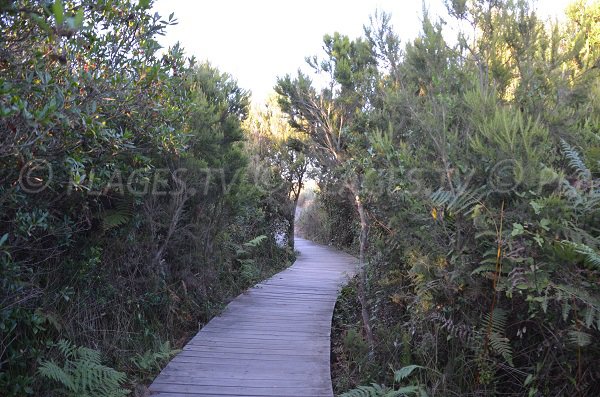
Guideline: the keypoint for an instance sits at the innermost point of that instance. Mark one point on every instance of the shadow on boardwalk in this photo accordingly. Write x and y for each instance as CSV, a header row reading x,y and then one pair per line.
x,y
273,340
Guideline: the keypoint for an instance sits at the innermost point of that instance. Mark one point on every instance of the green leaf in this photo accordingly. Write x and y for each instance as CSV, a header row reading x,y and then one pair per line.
x,y
114,218
537,207
544,224
41,22
405,372
78,20
144,4
59,11
410,390
255,242
518,230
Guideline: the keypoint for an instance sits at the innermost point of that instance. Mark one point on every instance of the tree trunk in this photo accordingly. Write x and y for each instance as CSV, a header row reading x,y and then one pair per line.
x,y
296,190
363,271
291,233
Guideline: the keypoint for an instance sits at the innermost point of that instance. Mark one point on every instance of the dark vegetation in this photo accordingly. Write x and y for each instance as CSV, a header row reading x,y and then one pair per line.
x,y
468,175
139,193
133,207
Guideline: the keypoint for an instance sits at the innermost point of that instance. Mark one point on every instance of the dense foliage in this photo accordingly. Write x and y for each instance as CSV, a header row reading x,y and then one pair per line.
x,y
139,193
472,169
279,155
129,213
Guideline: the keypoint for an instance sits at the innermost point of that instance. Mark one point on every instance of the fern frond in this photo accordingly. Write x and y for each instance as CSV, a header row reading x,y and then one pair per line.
x,y
83,374
66,348
119,215
376,390
441,197
89,355
255,242
495,325
566,294
152,359
498,320
579,338
50,370
588,314
486,268
464,201
501,345
590,257
410,391
405,372
113,218
575,160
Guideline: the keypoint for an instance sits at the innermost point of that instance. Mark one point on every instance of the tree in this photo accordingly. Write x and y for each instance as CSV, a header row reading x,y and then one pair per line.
x,y
486,241
283,152
125,189
334,120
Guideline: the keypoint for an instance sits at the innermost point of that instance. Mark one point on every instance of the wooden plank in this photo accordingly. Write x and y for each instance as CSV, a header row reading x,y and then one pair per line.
x,y
239,390
214,381
272,340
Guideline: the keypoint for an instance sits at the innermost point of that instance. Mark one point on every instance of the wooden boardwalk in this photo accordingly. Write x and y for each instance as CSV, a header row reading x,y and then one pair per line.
x,y
272,340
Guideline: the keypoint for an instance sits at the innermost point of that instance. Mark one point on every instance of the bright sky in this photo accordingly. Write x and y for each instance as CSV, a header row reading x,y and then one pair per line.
x,y
258,40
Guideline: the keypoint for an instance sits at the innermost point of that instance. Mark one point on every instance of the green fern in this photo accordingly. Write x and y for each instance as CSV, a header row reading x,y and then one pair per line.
x,y
567,295
66,348
463,202
579,338
590,257
486,268
376,390
50,370
495,326
501,345
255,242
112,219
441,197
575,160
153,359
411,391
405,372
119,215
589,314
82,373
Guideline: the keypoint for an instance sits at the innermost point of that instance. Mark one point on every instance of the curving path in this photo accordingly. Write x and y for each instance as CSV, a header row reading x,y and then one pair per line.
x,y
272,340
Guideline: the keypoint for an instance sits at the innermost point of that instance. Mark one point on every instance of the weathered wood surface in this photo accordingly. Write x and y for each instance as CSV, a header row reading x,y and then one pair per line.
x,y
272,340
